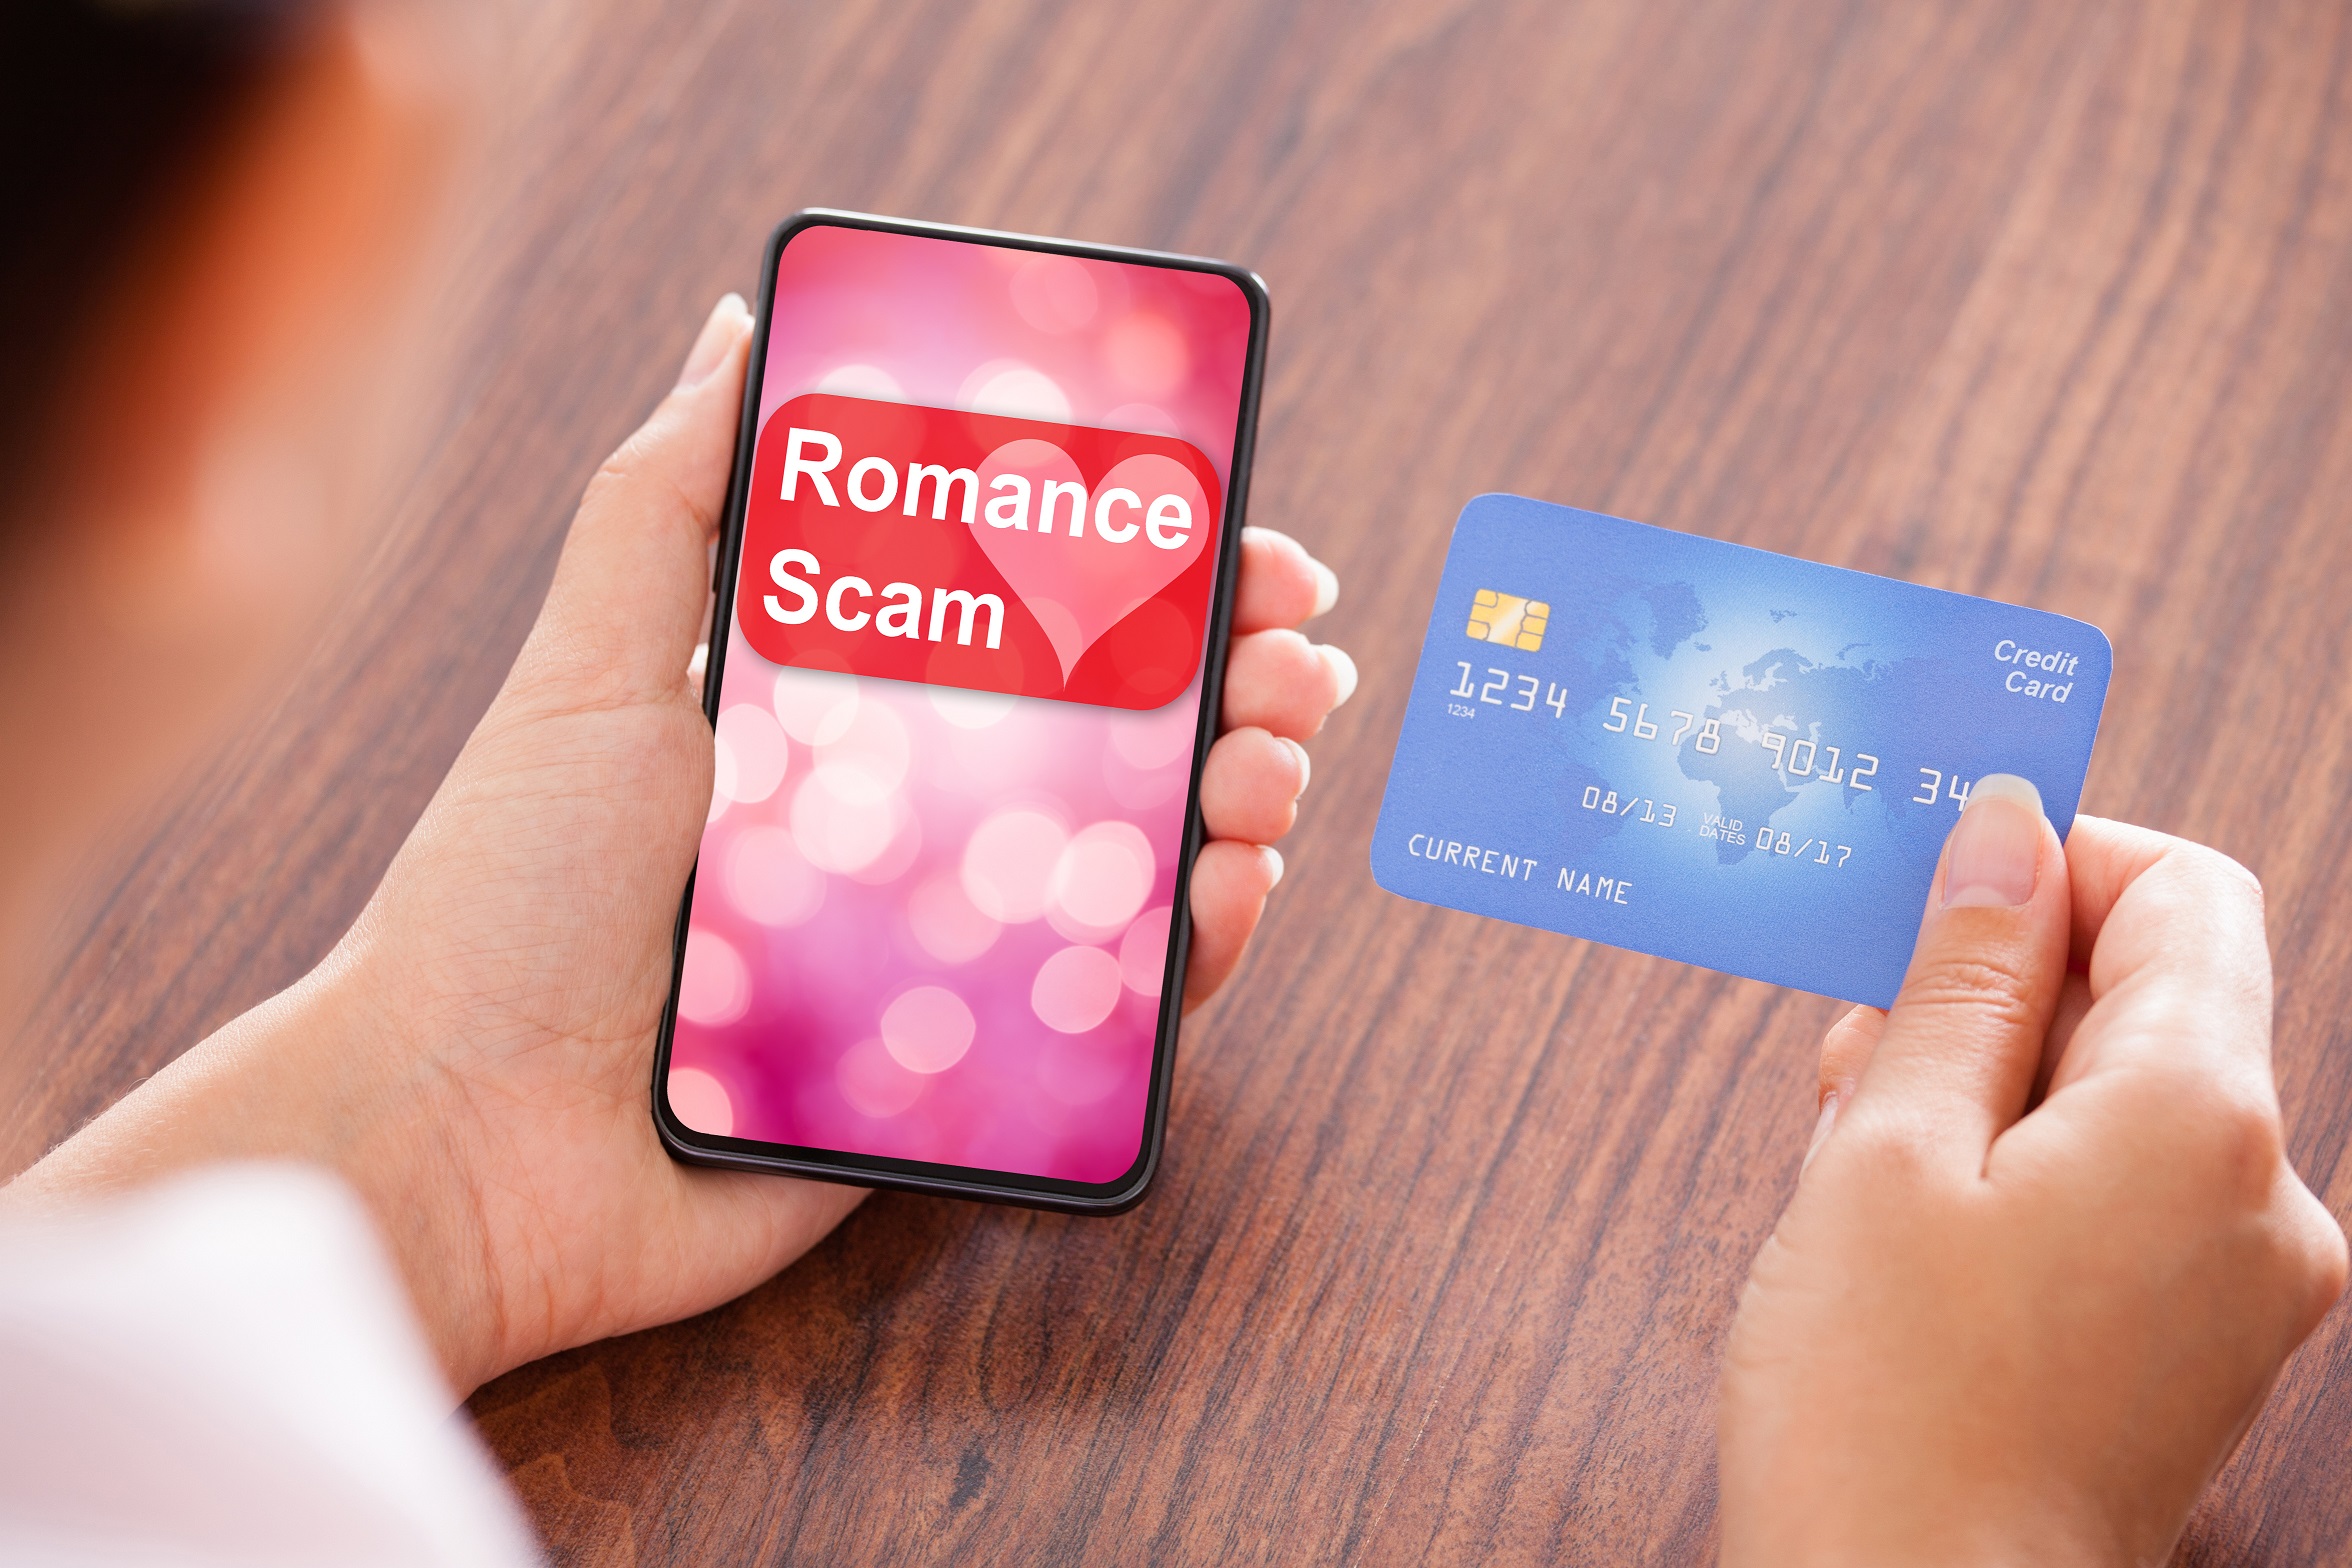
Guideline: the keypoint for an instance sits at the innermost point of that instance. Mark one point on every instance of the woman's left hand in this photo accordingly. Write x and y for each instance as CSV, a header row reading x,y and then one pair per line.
x,y
474,1057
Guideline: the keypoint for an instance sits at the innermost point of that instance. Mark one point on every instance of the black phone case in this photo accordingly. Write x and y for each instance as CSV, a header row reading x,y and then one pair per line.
x,y
1125,1192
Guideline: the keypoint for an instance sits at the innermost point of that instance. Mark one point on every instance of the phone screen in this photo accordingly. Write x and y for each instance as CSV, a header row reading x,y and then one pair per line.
x,y
959,668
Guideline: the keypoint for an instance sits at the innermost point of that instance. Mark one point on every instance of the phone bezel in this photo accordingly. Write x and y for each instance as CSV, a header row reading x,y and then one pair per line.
x,y
1124,1192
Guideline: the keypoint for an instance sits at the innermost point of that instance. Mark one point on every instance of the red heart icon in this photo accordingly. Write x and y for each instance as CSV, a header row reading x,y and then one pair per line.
x,y
1082,561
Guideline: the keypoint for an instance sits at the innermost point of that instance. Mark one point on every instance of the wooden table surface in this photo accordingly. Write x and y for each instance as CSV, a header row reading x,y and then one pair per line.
x,y
2047,302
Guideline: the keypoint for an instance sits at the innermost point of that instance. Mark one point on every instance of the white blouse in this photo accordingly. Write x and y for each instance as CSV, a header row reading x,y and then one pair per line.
x,y
225,1369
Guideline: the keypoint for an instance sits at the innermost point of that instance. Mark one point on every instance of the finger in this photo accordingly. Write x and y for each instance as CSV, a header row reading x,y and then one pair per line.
x,y
1282,683
2074,1004
1250,786
1281,584
1230,882
2325,1259
2102,859
623,614
2179,960
1846,1050
1963,1041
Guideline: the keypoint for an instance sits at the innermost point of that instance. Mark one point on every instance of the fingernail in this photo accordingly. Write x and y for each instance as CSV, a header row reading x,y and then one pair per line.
x,y
1273,859
1326,587
1997,848
1343,670
1821,1126
1306,768
726,323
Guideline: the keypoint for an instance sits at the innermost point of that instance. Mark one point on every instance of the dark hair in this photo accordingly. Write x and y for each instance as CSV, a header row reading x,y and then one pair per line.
x,y
103,107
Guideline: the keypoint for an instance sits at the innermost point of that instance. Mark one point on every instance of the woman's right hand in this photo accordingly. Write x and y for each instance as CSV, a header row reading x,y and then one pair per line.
x,y
2046,1256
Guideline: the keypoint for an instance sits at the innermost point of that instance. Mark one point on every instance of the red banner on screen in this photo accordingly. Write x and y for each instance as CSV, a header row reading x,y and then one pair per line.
x,y
975,550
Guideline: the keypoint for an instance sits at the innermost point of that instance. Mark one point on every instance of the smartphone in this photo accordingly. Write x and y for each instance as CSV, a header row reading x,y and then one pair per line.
x,y
974,585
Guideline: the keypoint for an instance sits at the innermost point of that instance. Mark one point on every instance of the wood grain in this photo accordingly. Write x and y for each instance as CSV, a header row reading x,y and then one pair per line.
x,y
2047,302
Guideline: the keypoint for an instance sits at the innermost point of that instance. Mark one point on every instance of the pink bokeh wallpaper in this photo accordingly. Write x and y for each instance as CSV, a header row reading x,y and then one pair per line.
x,y
931,923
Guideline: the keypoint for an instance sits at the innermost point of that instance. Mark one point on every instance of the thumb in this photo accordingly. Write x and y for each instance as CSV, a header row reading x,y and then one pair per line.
x,y
627,602
1964,1039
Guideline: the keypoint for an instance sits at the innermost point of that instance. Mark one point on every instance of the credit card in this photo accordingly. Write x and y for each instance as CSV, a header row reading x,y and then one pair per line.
x,y
1713,753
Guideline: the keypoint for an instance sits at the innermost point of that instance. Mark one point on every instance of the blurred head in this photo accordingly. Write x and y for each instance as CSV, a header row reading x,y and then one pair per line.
x,y
215,207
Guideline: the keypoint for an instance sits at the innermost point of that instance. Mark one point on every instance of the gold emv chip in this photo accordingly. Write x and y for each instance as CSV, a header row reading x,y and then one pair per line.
x,y
1506,618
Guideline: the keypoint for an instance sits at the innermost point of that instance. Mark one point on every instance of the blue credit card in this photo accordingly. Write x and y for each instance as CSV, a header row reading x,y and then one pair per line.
x,y
1712,753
